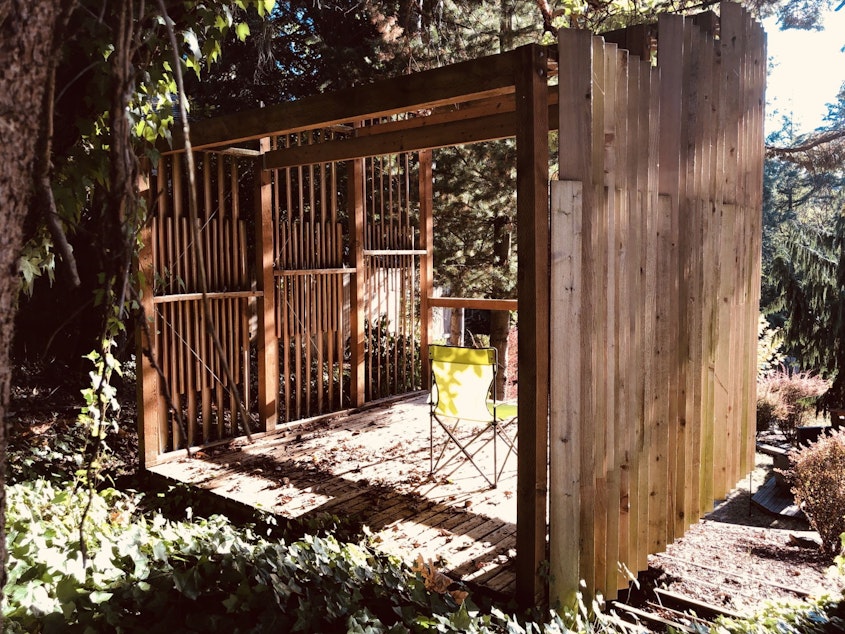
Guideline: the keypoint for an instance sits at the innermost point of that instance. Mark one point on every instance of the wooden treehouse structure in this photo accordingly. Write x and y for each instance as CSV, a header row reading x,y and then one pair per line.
x,y
638,275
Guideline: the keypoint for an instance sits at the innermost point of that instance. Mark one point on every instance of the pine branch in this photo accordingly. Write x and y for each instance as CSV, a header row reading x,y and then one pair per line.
x,y
819,152
823,138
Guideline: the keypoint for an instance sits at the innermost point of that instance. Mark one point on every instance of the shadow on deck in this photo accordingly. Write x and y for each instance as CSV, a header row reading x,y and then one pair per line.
x,y
372,468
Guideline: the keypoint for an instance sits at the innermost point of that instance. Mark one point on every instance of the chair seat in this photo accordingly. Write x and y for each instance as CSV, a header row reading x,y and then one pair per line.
x,y
504,410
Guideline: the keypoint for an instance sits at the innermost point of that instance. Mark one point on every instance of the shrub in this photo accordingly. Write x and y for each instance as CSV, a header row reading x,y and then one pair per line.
x,y
144,573
769,410
784,397
818,477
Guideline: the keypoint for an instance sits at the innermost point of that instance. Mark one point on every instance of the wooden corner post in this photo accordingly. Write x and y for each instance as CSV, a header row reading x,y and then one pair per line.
x,y
532,183
427,260
357,288
149,400
268,343
572,494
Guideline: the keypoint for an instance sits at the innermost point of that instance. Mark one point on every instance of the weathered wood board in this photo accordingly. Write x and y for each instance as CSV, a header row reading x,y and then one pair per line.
x,y
372,467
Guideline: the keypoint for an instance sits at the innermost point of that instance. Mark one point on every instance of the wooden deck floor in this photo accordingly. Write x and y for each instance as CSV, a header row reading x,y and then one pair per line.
x,y
373,467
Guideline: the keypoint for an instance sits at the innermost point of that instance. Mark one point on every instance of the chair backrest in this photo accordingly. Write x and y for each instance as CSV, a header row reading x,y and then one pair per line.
x,y
461,380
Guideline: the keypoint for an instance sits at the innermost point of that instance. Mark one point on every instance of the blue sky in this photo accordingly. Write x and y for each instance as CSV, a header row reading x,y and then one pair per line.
x,y
809,68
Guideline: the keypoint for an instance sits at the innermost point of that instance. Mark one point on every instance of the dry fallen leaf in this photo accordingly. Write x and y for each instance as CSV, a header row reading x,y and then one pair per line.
x,y
435,580
459,596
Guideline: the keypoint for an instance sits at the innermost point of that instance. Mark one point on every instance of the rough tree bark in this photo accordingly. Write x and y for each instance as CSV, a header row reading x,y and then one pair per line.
x,y
500,320
30,36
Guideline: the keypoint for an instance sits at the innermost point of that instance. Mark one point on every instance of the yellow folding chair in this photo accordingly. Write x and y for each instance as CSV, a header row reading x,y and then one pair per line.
x,y
463,390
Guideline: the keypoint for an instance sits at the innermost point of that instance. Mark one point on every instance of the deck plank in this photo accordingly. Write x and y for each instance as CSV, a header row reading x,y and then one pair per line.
x,y
777,499
372,467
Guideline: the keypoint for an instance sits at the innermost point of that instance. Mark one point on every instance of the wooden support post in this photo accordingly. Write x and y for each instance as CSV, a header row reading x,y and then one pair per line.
x,y
567,294
268,344
532,141
427,260
356,256
572,511
148,386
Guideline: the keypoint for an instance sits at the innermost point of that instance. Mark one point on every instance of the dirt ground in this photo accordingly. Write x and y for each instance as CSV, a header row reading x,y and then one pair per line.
x,y
740,556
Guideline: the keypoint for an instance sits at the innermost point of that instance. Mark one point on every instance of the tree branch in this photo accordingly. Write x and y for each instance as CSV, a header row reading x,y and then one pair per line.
x,y
829,136
44,189
195,226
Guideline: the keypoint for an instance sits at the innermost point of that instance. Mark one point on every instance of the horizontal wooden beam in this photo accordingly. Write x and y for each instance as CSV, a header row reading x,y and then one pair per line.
x,y
299,272
460,112
421,138
465,81
472,302
192,297
378,252
425,136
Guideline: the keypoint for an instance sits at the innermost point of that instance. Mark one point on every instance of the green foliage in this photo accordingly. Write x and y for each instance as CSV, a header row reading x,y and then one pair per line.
x,y
805,273
475,220
83,118
818,477
101,396
144,573
37,259
804,244
55,455
769,344
812,616
393,359
784,397
302,48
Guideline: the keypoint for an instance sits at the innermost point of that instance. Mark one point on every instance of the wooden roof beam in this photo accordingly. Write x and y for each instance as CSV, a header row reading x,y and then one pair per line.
x,y
474,79
422,133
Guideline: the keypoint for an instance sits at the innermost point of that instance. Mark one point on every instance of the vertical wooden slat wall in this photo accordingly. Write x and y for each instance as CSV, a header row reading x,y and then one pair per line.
x,y
654,289
180,339
391,262
315,319
312,321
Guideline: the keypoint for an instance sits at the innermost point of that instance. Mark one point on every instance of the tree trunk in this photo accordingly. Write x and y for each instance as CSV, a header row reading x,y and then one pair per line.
x,y
500,319
456,327
30,33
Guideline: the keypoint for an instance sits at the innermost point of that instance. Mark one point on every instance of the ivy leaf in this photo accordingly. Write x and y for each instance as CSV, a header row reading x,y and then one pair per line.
x,y
159,551
186,583
461,620
193,43
242,31
265,7
26,268
98,596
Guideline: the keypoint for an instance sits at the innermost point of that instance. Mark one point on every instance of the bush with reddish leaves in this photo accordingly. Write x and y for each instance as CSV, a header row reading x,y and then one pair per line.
x,y
784,398
818,482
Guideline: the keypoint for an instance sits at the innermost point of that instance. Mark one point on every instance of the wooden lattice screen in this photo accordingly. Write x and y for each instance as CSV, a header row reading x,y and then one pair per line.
x,y
655,288
312,307
311,211
392,276
181,339
308,240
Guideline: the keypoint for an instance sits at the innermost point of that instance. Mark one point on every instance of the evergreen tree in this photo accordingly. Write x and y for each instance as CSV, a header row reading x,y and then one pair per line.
x,y
807,190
